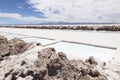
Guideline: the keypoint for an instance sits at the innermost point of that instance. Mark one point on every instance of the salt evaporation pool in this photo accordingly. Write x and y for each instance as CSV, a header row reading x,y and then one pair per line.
x,y
77,51
73,51
11,36
27,38
37,40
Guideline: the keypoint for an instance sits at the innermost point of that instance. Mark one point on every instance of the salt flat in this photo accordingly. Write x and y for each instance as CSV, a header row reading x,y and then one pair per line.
x,y
62,42
108,39
95,38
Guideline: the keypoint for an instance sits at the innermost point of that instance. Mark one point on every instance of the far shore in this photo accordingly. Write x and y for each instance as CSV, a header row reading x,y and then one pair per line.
x,y
112,27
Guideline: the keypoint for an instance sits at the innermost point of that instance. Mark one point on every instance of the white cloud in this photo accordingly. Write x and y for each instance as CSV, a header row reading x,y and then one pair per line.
x,y
10,15
78,10
20,7
71,11
19,17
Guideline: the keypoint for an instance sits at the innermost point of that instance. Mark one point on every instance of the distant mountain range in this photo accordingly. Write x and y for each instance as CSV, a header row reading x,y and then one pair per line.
x,y
68,23
62,23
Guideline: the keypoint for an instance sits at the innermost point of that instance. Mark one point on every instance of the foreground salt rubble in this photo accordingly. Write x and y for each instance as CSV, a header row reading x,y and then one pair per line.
x,y
37,63
11,47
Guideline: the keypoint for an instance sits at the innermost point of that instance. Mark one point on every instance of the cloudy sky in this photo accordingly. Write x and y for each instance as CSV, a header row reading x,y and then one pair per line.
x,y
40,11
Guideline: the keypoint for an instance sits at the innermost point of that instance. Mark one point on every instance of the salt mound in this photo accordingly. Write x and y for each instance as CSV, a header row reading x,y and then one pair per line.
x,y
3,40
50,65
12,47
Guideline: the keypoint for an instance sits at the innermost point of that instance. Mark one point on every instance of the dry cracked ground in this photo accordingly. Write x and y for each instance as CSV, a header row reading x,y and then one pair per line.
x,y
28,61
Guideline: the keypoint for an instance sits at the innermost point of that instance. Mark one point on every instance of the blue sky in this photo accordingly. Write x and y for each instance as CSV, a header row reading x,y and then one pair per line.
x,y
40,11
18,6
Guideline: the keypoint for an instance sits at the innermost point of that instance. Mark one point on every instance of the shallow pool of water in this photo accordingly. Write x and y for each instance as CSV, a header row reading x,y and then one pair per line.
x,y
77,51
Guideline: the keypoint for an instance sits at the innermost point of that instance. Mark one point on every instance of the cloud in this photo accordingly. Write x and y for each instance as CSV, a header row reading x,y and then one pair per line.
x,y
20,17
20,7
10,15
78,10
103,11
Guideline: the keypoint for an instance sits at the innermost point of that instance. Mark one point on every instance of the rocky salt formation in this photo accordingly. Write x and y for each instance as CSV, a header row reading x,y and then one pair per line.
x,y
58,67
50,65
11,47
3,40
